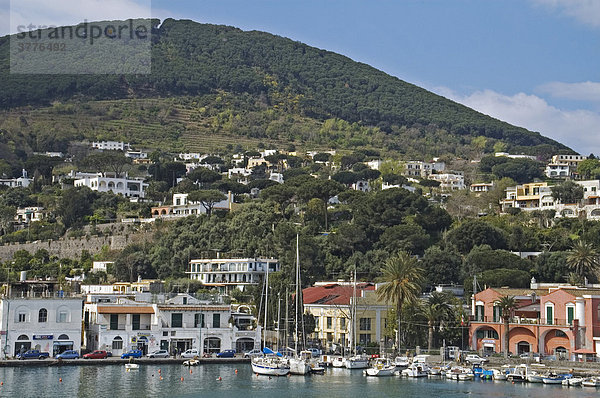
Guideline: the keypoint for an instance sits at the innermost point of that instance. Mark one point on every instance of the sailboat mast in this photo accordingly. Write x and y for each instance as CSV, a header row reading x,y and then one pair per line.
x,y
354,312
266,305
297,293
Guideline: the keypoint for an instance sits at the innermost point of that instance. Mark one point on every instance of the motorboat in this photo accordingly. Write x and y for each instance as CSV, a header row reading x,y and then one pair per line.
x,y
435,371
467,374
270,366
381,367
191,362
554,378
573,381
416,369
316,368
132,366
518,373
483,374
460,373
499,375
590,382
301,364
338,362
534,377
402,362
358,362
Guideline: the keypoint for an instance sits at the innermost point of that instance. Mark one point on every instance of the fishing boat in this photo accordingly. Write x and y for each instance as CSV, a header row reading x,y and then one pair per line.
x,y
519,373
459,373
416,369
534,377
435,371
316,368
381,367
590,382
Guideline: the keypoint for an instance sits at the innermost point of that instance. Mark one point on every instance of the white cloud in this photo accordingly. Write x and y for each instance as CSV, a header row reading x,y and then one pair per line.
x,y
586,11
578,129
70,12
584,91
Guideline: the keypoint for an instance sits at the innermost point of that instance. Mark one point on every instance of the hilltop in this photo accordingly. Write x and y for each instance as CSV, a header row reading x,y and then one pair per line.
x,y
225,83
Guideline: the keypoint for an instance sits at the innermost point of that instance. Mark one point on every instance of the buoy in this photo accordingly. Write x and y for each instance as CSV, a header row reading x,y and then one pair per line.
x,y
257,375
160,377
236,371
1,383
219,378
60,380
190,371
181,378
159,370
269,377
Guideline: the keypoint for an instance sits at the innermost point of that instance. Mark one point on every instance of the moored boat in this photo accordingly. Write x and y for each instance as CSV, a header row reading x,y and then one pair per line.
x,y
191,362
132,366
499,375
338,362
590,382
357,362
402,362
381,367
554,378
269,366
416,370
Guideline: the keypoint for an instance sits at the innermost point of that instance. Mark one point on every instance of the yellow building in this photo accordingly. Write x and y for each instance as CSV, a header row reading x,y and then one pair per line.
x,y
534,195
331,304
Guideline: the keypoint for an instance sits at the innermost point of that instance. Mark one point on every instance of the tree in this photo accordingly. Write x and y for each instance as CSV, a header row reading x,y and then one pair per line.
x,y
207,198
567,192
441,266
507,305
520,170
202,176
436,310
108,161
7,216
583,259
402,279
74,205
589,168
476,232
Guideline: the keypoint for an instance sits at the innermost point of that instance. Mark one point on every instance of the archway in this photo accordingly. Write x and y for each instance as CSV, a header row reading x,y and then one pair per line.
x,y
521,340
486,338
552,339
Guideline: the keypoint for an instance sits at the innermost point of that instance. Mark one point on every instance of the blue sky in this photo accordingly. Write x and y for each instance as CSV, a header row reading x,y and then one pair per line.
x,y
533,63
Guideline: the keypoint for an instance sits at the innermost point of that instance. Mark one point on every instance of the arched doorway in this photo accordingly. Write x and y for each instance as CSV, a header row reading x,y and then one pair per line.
x,y
521,340
62,344
523,347
554,339
142,344
486,338
561,353
22,344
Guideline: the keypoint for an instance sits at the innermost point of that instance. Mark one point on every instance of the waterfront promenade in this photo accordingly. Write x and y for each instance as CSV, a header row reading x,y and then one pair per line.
x,y
116,361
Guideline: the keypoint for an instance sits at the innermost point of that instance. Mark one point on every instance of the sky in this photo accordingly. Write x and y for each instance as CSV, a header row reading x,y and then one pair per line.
x,y
532,63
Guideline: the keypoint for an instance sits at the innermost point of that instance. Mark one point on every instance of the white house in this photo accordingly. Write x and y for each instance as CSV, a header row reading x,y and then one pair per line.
x,y
22,181
98,266
230,273
449,181
27,215
111,145
563,166
125,186
48,324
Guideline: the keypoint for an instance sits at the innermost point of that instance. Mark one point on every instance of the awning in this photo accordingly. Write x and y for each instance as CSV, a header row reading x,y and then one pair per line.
x,y
120,309
489,345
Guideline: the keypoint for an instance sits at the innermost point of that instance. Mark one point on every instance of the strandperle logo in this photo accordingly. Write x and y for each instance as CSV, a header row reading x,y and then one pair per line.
x,y
106,47
87,31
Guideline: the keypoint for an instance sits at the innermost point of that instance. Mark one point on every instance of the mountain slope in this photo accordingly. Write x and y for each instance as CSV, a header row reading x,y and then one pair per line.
x,y
193,59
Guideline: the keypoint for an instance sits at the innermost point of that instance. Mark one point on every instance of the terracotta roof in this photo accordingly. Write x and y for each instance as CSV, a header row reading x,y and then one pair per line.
x,y
507,291
333,294
122,309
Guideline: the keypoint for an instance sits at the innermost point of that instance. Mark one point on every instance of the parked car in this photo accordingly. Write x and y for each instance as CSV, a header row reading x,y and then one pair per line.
x,y
132,354
475,359
97,354
226,354
33,354
253,353
191,353
69,354
527,355
159,354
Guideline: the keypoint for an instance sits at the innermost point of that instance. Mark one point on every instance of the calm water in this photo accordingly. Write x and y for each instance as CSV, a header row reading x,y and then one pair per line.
x,y
114,381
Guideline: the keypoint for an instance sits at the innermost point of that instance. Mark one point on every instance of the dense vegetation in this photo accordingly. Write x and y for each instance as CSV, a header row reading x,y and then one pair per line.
x,y
249,84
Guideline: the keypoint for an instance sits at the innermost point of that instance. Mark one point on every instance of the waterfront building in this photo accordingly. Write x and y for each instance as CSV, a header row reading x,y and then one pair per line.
x,y
331,304
50,322
550,319
230,273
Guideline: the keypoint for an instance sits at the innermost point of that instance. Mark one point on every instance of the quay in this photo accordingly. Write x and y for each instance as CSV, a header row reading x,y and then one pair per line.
x,y
116,361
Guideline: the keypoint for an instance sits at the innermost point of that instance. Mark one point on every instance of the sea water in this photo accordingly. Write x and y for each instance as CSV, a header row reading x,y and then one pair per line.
x,y
222,380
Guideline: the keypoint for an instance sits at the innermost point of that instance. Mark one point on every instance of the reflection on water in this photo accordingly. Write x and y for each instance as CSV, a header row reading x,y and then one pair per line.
x,y
166,381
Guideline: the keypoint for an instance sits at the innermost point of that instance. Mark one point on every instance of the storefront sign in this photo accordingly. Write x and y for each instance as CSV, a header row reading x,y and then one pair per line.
x,y
43,337
488,341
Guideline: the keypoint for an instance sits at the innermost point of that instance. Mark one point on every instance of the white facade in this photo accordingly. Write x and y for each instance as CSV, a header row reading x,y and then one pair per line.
x,y
481,187
101,265
508,155
136,154
563,166
22,181
417,168
182,207
449,181
177,324
111,145
121,186
51,325
29,214
229,273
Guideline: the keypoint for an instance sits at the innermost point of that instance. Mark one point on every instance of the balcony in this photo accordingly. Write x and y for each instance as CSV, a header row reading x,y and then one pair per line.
x,y
524,321
120,326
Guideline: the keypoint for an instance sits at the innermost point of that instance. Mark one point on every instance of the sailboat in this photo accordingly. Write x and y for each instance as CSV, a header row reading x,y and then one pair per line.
x,y
300,362
355,361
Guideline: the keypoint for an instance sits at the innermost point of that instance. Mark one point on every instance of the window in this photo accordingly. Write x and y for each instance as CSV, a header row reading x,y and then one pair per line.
x,y
560,333
364,338
135,321
549,315
329,336
216,320
43,315
21,317
62,316
342,323
199,320
176,320
185,300
479,311
114,321
117,343
329,322
570,314
497,314
365,323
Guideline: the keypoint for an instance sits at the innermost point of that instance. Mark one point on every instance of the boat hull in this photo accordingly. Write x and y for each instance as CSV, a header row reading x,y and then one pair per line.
x,y
270,370
381,372
357,363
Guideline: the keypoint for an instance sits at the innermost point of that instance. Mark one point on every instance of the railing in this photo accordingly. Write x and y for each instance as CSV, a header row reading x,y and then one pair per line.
x,y
120,326
524,321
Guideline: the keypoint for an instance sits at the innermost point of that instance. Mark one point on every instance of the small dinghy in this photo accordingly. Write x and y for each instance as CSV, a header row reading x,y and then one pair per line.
x,y
132,366
191,362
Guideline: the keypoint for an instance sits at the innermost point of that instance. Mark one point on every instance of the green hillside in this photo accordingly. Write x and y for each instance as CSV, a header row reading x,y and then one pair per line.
x,y
211,84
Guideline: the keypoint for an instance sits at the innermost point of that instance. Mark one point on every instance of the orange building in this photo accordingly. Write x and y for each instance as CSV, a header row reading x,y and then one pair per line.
x,y
549,319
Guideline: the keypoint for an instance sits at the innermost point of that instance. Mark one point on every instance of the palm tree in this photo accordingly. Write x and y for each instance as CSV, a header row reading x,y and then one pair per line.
x,y
436,310
507,305
583,259
402,279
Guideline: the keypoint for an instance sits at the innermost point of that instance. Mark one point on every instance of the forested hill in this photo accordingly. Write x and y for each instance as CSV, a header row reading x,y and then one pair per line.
x,y
193,59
